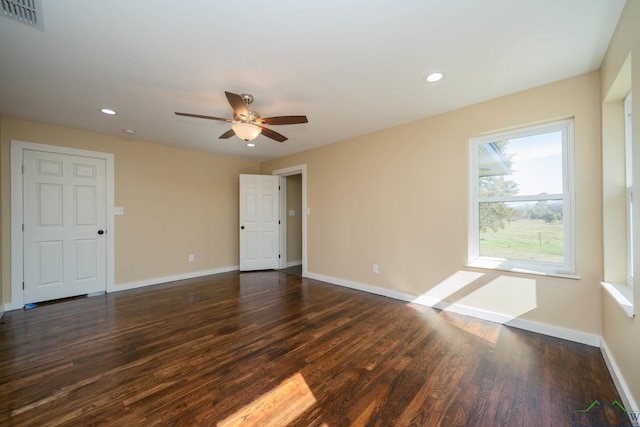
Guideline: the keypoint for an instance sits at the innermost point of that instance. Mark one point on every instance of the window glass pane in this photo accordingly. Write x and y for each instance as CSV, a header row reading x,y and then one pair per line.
x,y
532,231
530,165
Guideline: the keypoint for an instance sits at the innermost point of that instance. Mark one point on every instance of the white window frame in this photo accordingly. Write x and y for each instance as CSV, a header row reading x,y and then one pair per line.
x,y
628,161
567,268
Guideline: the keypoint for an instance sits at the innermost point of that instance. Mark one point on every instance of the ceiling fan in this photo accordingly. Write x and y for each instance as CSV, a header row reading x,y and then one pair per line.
x,y
247,124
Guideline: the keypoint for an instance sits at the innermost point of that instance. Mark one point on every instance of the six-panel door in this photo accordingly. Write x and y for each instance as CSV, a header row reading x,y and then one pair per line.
x,y
259,232
64,225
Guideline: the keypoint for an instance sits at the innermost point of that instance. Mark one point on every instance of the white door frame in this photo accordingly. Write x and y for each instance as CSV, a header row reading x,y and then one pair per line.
x,y
17,214
283,173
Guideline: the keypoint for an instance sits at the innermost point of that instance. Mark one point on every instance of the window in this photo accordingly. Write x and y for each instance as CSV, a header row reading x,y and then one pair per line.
x,y
521,188
618,227
629,184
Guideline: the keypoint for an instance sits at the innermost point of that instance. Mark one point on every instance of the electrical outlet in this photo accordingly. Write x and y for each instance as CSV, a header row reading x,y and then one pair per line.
x,y
375,268
191,258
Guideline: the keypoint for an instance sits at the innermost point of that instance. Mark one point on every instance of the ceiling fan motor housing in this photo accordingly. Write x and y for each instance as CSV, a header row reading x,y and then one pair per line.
x,y
252,117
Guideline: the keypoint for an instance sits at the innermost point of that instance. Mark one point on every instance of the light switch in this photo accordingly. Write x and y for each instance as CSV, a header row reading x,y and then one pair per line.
x,y
118,211
292,212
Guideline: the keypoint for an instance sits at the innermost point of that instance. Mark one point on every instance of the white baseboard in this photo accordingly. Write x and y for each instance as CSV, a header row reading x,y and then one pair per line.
x,y
623,390
362,287
294,263
465,310
527,325
149,282
557,332
166,279
541,328
10,307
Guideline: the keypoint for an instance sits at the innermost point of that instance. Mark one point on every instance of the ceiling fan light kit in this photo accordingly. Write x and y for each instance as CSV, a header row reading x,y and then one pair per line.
x,y
247,124
246,131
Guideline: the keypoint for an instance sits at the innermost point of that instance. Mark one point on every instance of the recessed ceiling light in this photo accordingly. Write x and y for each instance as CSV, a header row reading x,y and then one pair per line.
x,y
108,111
433,77
251,144
129,131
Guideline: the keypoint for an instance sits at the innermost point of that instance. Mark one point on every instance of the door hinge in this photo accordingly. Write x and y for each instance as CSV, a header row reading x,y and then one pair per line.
x,y
279,222
22,168
23,227
22,285
278,256
279,188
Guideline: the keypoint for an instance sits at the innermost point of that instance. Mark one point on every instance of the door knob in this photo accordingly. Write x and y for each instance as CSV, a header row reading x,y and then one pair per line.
x,y
101,232
242,228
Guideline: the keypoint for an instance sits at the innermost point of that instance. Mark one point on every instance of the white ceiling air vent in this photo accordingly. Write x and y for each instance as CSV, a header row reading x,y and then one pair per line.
x,y
28,12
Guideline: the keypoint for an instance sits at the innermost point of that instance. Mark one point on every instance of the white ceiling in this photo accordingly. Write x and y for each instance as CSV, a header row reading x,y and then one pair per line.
x,y
351,66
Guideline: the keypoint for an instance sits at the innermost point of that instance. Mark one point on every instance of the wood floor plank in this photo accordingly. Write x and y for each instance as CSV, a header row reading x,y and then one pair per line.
x,y
269,348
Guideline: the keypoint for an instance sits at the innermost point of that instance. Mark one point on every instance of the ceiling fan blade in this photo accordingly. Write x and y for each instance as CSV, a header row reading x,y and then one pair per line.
x,y
272,134
238,105
284,120
227,134
199,116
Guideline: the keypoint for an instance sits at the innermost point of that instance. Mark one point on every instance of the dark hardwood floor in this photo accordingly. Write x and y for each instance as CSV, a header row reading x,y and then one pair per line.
x,y
270,348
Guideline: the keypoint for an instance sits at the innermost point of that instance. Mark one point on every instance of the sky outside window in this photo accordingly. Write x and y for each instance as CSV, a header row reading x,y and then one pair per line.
x,y
536,163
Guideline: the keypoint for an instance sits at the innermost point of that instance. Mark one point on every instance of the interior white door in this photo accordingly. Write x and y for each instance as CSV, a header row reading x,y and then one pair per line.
x,y
259,232
64,225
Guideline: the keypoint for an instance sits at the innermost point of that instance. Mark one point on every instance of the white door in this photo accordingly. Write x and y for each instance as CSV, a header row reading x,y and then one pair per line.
x,y
64,225
259,232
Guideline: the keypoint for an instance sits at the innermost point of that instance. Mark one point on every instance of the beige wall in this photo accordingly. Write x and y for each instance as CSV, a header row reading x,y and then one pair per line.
x,y
294,223
398,198
4,266
177,202
621,333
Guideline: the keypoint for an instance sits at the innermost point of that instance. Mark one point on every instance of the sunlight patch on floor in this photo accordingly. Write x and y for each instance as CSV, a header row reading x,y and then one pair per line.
x,y
276,408
489,334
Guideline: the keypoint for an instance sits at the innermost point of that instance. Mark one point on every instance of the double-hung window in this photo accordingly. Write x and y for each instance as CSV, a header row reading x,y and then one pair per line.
x,y
521,200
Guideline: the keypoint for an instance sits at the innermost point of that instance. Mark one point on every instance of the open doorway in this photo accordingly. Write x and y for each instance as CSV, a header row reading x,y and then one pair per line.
x,y
293,215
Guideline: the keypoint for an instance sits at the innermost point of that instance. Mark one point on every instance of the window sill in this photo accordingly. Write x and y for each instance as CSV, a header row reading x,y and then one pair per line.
x,y
502,266
622,295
